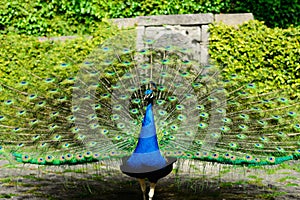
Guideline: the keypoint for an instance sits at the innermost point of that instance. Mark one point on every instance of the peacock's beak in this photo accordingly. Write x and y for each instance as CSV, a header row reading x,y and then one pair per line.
x,y
145,97
148,96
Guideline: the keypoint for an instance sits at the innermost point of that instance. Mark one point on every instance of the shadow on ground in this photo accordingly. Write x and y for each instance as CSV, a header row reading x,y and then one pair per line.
x,y
52,186
31,183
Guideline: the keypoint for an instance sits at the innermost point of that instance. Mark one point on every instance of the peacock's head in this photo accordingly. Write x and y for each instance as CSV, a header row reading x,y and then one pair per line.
x,y
149,96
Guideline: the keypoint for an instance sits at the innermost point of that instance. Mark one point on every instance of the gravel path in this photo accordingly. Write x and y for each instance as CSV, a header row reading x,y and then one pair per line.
x,y
217,182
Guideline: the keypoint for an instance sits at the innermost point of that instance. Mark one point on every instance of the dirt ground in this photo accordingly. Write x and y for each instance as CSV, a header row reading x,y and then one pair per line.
x,y
98,182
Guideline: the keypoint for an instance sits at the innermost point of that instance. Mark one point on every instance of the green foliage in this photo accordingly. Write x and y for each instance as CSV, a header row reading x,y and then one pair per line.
x,y
10,195
65,17
68,17
50,17
269,57
26,58
275,13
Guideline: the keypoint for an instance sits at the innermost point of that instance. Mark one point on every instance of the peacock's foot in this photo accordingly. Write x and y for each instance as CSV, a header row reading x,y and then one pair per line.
x,y
143,187
151,192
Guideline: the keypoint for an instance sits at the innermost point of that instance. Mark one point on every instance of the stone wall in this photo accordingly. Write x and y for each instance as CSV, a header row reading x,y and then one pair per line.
x,y
188,31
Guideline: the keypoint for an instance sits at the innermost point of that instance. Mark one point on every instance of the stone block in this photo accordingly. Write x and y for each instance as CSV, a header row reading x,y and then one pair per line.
x,y
180,36
234,19
204,59
140,34
204,33
189,19
189,33
124,22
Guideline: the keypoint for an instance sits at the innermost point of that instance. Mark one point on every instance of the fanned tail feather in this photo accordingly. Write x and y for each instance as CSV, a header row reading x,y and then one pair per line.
x,y
94,113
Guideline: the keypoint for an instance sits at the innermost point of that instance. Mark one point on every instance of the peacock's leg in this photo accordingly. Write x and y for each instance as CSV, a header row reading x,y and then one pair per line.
x,y
151,192
143,186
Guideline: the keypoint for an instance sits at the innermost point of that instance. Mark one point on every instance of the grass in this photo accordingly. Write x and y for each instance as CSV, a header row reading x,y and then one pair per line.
x,y
5,180
286,165
8,182
255,180
78,170
287,178
230,184
32,177
271,195
7,196
225,171
292,185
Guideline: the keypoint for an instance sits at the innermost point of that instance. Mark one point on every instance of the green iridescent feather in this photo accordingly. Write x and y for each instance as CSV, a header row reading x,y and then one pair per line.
x,y
95,113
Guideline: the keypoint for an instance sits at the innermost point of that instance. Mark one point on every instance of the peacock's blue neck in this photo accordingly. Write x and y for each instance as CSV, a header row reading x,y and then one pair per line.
x,y
146,154
147,138
148,115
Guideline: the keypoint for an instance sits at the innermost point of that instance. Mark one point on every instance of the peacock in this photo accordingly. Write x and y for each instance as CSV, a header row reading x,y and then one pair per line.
x,y
146,105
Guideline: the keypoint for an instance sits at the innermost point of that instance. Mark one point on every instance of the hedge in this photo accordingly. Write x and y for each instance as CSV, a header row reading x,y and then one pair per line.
x,y
69,17
26,58
259,54
275,13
